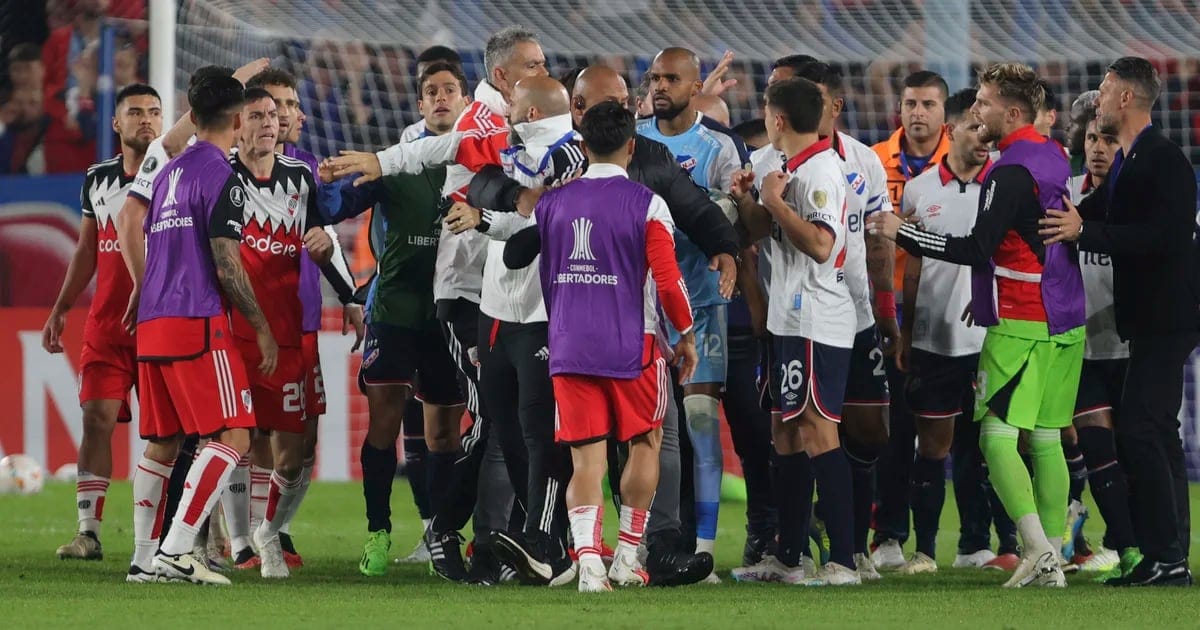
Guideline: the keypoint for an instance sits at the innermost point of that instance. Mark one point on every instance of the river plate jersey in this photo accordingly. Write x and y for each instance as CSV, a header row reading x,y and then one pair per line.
x,y
103,193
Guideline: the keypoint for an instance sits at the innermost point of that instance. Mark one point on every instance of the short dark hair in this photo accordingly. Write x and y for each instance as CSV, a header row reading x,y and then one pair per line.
x,y
960,103
443,66
800,102
272,76
1142,74
1083,111
24,52
1016,82
750,128
822,73
440,53
208,72
606,127
136,89
1049,100
214,100
257,93
927,78
793,61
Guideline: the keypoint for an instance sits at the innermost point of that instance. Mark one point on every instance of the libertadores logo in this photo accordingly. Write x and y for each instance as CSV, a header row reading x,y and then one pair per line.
x,y
582,250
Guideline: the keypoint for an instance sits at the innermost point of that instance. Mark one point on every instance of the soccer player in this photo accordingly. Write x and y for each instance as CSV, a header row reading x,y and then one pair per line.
x,y
108,367
1047,116
941,351
282,87
428,57
919,144
479,135
607,251
711,153
405,354
282,224
811,315
190,373
869,261
1102,378
1031,355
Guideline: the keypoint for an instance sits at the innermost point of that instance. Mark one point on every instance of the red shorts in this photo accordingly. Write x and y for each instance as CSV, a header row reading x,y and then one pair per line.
x,y
314,385
278,398
592,408
108,372
204,393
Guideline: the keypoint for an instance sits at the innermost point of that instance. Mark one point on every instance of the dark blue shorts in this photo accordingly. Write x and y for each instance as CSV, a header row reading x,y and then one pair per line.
x,y
393,355
804,372
867,384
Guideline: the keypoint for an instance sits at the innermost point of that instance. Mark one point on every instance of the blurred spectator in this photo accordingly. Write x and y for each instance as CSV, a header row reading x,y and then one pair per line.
x,y
70,59
22,125
25,69
126,66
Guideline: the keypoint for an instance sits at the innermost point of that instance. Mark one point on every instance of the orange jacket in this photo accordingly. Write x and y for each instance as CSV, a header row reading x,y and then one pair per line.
x,y
889,153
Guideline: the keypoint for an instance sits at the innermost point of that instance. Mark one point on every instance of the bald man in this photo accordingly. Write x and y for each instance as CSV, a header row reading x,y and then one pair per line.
x,y
671,560
712,106
514,372
711,153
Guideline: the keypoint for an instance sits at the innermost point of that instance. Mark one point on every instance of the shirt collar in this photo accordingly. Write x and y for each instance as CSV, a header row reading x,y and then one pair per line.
x,y
544,132
800,158
1087,185
946,174
1024,133
598,170
838,146
492,98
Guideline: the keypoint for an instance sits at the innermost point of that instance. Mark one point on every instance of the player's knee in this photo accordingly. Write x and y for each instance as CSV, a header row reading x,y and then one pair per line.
x,y
97,423
237,439
163,450
934,437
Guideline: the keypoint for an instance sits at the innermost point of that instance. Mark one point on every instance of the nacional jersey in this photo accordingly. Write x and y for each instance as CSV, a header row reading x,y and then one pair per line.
x,y
944,204
810,299
710,153
866,194
277,212
765,160
1103,342
103,193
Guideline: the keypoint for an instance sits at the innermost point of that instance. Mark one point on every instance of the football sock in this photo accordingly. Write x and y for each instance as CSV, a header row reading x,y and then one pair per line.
x,y
1077,469
260,485
183,465
235,503
1010,478
378,470
306,473
439,471
89,500
149,501
1051,481
862,471
633,526
1110,488
832,473
587,532
283,500
793,486
927,495
704,430
415,453
209,475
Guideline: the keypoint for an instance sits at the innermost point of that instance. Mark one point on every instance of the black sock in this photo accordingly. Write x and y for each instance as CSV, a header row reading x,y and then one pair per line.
x,y
793,486
1109,486
832,473
862,471
378,471
1077,469
927,494
183,465
439,469
416,469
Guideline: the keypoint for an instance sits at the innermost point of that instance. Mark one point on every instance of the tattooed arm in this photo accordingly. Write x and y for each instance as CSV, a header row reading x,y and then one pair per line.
x,y
236,285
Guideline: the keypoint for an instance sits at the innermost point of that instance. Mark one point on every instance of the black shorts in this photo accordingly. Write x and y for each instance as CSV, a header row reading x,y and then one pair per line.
x,y
938,386
867,384
1100,385
808,372
394,355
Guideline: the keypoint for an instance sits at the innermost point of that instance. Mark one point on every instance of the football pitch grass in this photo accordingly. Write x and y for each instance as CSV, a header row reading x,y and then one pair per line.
x,y
38,590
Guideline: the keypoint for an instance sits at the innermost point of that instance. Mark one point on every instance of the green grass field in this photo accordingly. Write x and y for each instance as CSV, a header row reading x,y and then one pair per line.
x,y
38,590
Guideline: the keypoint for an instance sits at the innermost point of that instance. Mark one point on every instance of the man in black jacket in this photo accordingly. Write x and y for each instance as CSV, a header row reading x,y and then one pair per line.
x,y
1148,232
670,560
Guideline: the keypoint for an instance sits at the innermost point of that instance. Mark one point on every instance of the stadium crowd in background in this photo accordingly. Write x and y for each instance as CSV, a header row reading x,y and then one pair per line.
x,y
861,309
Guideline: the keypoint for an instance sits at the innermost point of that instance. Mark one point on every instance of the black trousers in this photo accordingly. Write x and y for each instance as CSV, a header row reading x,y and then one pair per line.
x,y
1149,447
750,429
895,463
514,374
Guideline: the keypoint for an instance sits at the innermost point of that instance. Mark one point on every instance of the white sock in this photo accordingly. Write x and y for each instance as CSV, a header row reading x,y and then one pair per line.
x,y
149,500
208,476
305,481
1033,536
704,544
90,491
633,526
587,531
282,502
235,503
1056,543
260,485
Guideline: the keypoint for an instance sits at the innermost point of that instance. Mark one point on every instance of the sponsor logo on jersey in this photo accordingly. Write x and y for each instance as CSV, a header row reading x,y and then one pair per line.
x,y
268,244
933,211
108,245
987,199
582,249
687,162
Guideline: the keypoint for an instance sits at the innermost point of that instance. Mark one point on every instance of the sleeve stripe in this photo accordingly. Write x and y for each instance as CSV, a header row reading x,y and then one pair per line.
x,y
927,240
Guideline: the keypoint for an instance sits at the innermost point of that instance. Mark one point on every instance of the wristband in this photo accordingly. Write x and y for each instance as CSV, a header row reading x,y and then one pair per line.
x,y
885,303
